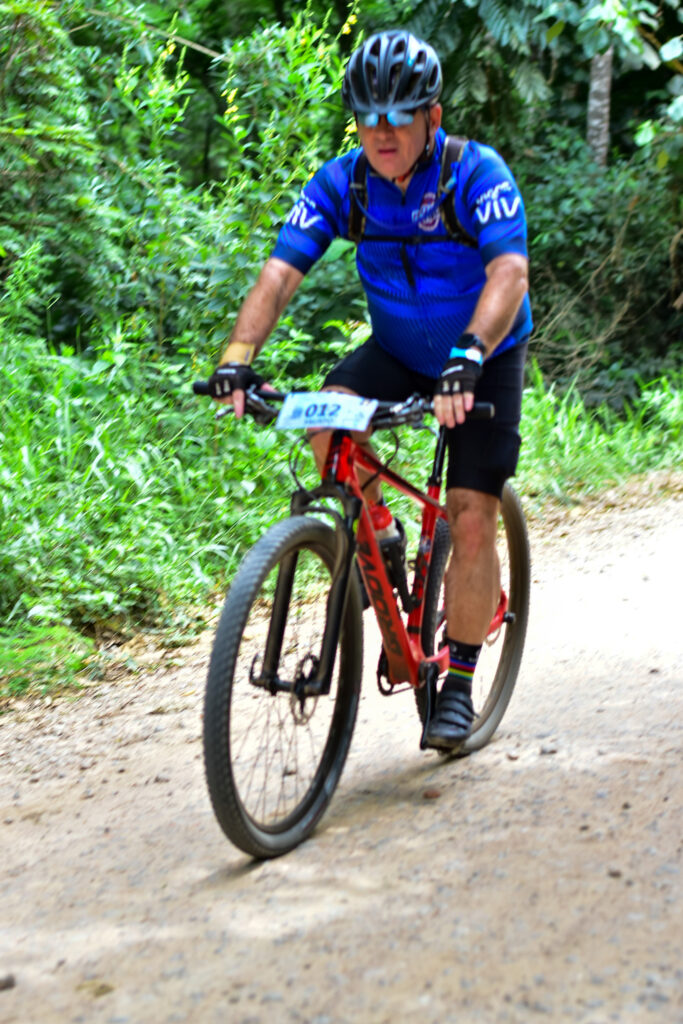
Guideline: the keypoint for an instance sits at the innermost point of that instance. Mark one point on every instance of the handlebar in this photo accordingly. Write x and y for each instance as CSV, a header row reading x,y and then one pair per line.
x,y
387,414
414,409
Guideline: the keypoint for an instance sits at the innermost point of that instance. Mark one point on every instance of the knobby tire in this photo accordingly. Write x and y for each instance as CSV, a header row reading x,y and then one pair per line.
x,y
273,761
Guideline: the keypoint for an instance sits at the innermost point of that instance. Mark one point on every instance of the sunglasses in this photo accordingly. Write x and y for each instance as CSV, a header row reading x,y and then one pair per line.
x,y
397,118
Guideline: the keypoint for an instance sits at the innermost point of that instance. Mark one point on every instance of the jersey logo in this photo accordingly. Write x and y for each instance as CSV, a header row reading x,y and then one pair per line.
x,y
302,216
427,218
492,202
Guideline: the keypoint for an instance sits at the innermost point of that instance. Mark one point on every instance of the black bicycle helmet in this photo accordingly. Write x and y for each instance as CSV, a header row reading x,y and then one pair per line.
x,y
392,71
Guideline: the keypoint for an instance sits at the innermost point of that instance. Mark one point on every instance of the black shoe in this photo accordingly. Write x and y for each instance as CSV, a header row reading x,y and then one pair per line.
x,y
452,721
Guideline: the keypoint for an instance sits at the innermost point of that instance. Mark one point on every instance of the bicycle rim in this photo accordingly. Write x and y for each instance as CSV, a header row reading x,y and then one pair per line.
x,y
273,760
501,654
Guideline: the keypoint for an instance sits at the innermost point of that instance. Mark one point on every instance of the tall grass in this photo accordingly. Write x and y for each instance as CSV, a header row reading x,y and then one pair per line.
x,y
123,502
571,450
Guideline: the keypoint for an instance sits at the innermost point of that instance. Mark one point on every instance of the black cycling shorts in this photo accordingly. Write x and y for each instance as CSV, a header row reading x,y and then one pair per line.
x,y
482,454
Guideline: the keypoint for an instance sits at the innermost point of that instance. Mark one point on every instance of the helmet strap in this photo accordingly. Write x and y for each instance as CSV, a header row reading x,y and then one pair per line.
x,y
427,151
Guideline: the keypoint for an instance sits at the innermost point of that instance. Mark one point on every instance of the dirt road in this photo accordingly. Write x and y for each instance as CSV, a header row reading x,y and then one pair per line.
x,y
539,879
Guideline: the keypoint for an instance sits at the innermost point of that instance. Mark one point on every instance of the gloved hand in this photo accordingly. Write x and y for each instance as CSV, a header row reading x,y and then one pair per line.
x,y
463,368
230,377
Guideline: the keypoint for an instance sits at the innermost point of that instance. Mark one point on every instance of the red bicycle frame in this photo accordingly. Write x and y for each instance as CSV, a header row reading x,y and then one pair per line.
x,y
402,642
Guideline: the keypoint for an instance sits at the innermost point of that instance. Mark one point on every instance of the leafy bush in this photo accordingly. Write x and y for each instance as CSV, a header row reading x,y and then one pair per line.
x,y
50,170
600,251
99,175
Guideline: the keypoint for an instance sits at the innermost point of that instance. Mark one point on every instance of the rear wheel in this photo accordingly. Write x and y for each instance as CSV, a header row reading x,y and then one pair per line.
x,y
273,758
501,654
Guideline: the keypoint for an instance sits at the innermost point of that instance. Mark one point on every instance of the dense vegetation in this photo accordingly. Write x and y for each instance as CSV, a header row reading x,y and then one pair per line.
x,y
147,159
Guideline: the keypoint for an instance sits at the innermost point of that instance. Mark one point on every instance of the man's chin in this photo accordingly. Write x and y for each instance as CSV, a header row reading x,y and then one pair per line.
x,y
387,166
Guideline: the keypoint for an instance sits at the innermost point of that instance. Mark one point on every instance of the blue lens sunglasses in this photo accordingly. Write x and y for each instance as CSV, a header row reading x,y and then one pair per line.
x,y
397,118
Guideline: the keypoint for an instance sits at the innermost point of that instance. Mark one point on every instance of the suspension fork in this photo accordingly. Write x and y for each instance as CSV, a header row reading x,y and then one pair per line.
x,y
336,600
278,621
319,680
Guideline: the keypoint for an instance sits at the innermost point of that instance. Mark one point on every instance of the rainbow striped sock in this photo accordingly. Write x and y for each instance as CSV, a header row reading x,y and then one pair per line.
x,y
462,663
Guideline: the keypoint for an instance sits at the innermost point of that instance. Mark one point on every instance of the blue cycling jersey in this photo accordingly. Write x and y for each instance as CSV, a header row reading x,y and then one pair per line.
x,y
423,286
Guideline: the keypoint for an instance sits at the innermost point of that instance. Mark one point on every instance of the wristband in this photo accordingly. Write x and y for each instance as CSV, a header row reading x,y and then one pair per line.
x,y
475,352
468,340
239,352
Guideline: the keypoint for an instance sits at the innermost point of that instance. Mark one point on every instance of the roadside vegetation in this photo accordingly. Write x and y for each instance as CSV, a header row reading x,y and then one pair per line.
x,y
140,198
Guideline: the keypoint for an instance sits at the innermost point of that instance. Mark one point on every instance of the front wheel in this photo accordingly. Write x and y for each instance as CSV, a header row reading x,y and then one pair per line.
x,y
501,654
273,757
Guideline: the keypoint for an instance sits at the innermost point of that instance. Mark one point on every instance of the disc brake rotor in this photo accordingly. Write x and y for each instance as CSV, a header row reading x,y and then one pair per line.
x,y
303,708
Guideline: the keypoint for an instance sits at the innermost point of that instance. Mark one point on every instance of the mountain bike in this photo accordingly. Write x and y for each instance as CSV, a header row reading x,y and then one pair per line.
x,y
285,671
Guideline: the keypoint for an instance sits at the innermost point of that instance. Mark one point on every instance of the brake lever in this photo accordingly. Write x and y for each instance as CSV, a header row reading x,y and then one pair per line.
x,y
254,403
259,408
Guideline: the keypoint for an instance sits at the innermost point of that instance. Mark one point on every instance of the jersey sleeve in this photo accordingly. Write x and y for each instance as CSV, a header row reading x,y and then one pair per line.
x,y
316,218
489,204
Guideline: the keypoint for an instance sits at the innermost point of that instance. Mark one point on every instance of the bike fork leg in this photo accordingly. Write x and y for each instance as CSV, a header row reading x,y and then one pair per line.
x,y
335,609
278,617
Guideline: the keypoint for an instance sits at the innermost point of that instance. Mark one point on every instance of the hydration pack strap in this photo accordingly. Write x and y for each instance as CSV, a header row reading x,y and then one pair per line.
x,y
452,153
359,199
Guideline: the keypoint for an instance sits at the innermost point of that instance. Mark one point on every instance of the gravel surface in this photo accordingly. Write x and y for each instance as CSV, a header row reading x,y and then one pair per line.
x,y
539,879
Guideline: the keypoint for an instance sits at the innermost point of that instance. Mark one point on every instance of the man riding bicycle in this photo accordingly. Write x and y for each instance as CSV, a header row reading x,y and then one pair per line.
x,y
441,253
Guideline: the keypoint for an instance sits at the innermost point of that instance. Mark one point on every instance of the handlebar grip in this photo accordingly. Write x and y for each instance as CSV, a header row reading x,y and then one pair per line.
x,y
201,387
482,411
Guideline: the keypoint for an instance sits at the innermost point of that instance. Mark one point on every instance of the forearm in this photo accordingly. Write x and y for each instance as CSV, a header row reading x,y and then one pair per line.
x,y
261,310
506,285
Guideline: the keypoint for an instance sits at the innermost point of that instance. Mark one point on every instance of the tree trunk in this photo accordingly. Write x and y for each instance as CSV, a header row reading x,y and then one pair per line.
x,y
597,128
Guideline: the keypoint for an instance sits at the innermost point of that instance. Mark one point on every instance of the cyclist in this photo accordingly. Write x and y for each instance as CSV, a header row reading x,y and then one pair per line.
x,y
450,318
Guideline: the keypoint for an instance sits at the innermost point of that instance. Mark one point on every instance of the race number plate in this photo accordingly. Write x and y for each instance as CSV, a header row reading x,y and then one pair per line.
x,y
325,410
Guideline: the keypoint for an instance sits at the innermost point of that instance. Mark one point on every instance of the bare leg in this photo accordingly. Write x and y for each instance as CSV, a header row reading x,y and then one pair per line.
x,y
473,574
472,594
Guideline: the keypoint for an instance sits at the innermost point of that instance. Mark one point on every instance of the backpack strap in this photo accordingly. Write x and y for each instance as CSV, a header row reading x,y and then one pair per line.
x,y
358,194
359,198
452,152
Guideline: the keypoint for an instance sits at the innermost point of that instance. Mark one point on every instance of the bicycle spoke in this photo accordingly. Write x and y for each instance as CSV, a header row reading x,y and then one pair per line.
x,y
282,748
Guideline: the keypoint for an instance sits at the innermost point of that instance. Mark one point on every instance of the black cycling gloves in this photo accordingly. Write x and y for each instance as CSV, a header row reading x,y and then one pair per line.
x,y
463,368
232,377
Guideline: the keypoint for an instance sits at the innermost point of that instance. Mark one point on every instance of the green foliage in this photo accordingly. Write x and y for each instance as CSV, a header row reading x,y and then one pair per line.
x,y
570,451
143,182
120,499
607,22
600,253
124,239
123,502
43,657
49,166
281,91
